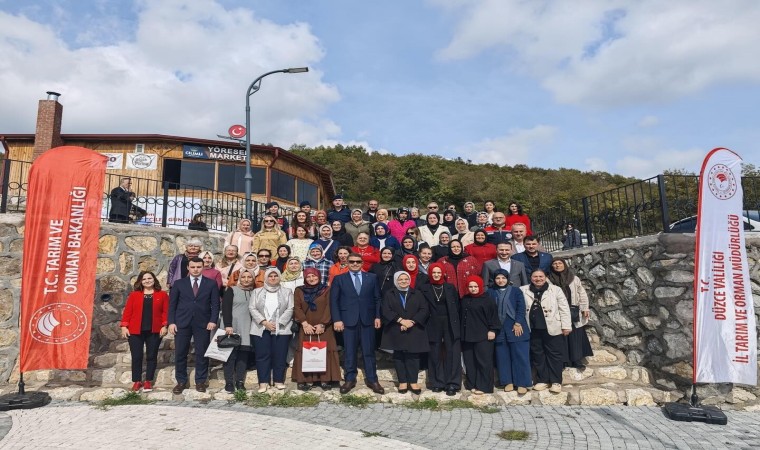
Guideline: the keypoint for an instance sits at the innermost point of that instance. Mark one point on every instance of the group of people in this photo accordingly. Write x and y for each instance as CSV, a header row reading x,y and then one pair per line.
x,y
456,294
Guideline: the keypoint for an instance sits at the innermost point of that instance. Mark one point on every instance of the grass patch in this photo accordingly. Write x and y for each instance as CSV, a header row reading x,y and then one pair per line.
x,y
240,395
435,405
286,400
373,434
360,401
489,409
259,400
428,403
513,435
130,398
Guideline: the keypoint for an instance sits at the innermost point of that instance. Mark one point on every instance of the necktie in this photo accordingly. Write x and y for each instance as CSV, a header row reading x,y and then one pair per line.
x,y
358,283
195,287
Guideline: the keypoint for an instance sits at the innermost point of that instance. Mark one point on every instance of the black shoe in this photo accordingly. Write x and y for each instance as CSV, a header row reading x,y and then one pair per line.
x,y
326,386
451,392
228,387
240,386
303,387
416,391
579,366
347,386
437,389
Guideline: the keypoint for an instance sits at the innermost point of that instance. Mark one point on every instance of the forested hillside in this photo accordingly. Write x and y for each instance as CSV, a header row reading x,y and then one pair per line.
x,y
414,179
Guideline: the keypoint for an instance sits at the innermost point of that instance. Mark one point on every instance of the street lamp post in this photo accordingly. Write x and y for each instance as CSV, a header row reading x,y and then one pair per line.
x,y
252,89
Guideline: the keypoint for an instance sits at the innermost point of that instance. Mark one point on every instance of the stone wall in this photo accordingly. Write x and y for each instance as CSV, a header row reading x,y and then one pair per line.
x,y
641,295
124,250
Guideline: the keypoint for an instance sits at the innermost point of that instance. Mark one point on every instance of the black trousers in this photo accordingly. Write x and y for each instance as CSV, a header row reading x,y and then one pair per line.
x,y
236,365
445,358
137,342
201,338
478,364
548,354
407,366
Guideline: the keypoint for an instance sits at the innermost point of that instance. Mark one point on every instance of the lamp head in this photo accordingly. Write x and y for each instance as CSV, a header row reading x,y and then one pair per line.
x,y
297,70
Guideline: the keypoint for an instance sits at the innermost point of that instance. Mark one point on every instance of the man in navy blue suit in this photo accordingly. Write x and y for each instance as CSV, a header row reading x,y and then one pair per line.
x,y
532,258
355,310
193,312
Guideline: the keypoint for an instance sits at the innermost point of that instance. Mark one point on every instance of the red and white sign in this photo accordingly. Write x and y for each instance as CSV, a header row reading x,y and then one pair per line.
x,y
237,131
725,337
60,258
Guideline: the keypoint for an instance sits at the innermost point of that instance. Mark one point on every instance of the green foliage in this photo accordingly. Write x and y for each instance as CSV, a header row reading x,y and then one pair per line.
x,y
359,401
513,435
414,179
130,398
258,400
435,405
286,400
373,434
240,395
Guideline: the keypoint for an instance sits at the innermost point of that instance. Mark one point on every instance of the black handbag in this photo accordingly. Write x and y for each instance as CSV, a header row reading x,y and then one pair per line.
x,y
228,341
295,327
575,313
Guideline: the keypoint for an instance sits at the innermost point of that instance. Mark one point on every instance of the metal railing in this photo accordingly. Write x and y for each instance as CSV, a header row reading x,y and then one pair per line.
x,y
155,203
645,207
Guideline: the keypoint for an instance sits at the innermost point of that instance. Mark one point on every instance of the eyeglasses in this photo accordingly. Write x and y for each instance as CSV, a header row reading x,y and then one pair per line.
x,y
265,256
354,261
432,207
269,221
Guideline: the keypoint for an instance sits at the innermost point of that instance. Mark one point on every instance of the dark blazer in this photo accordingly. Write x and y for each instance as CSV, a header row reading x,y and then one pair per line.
x,y
511,309
132,315
479,316
348,307
187,310
413,340
451,300
517,275
544,262
121,202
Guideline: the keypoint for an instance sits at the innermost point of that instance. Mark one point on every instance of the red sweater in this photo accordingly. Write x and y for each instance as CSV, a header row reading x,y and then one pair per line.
x,y
370,255
482,253
458,275
132,316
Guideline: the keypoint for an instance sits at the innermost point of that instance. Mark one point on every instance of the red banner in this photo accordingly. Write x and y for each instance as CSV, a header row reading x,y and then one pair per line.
x,y
60,258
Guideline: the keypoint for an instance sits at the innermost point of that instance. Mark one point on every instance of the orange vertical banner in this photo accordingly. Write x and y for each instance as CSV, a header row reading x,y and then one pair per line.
x,y
60,258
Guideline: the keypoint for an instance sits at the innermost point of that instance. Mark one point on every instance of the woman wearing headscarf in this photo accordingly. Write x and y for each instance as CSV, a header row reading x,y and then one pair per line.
x,y
401,223
449,221
299,243
236,318
578,344
209,269
432,229
457,266
302,219
482,221
292,276
370,255
382,238
463,232
404,311
408,247
411,265
282,256
326,241
312,311
480,325
229,263
357,224
242,237
549,321
341,263
385,269
340,235
250,262
444,331
513,341
480,249
271,311
317,260
269,237
442,249
515,215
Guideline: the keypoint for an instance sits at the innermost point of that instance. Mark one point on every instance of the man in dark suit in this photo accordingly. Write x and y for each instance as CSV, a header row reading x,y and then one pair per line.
x,y
355,310
193,312
517,275
532,258
121,202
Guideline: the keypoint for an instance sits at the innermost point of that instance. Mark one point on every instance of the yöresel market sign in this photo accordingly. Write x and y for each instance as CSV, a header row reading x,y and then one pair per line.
x,y
214,152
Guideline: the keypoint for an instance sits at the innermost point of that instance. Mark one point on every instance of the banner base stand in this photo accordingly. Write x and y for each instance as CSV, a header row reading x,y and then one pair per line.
x,y
684,412
22,400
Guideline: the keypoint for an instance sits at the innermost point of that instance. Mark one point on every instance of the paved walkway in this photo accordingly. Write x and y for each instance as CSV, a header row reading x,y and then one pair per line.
x,y
223,425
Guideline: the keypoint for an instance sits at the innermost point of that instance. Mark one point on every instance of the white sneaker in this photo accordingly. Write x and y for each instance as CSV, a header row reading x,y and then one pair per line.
x,y
540,386
509,388
263,388
556,388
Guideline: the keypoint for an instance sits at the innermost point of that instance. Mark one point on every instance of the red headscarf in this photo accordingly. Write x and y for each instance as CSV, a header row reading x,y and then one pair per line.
x,y
430,273
413,274
477,280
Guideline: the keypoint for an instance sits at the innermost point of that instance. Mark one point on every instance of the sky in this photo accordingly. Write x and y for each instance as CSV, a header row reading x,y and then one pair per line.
x,y
628,87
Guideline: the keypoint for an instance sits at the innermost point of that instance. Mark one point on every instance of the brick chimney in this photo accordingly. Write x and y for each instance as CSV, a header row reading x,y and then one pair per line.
x,y
48,133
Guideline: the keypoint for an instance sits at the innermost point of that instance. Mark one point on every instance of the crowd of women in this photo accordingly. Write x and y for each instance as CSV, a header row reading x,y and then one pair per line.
x,y
438,312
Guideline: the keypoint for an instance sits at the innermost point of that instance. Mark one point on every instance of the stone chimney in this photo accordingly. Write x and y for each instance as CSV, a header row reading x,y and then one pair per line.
x,y
48,133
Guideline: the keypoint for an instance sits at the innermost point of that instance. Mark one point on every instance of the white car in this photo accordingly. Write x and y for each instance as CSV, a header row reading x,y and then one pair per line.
x,y
689,225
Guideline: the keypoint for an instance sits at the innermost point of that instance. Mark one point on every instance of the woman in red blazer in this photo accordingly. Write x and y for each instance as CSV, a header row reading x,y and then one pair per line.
x,y
143,324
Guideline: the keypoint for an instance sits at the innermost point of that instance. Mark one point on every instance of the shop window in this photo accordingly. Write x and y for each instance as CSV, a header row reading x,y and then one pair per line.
x,y
231,178
188,173
283,186
308,192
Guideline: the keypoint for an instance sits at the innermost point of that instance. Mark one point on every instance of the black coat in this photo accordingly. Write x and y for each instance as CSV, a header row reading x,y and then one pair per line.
x,y
384,274
450,299
479,316
121,202
413,340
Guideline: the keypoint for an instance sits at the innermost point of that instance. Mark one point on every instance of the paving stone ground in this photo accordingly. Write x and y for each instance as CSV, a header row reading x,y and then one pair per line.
x,y
220,424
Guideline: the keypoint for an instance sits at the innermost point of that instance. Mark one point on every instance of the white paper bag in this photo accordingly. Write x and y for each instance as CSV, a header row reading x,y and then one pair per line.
x,y
214,352
314,356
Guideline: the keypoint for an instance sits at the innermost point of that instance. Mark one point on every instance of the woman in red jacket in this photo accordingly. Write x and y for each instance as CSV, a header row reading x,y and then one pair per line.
x,y
143,324
370,255
480,249
458,266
